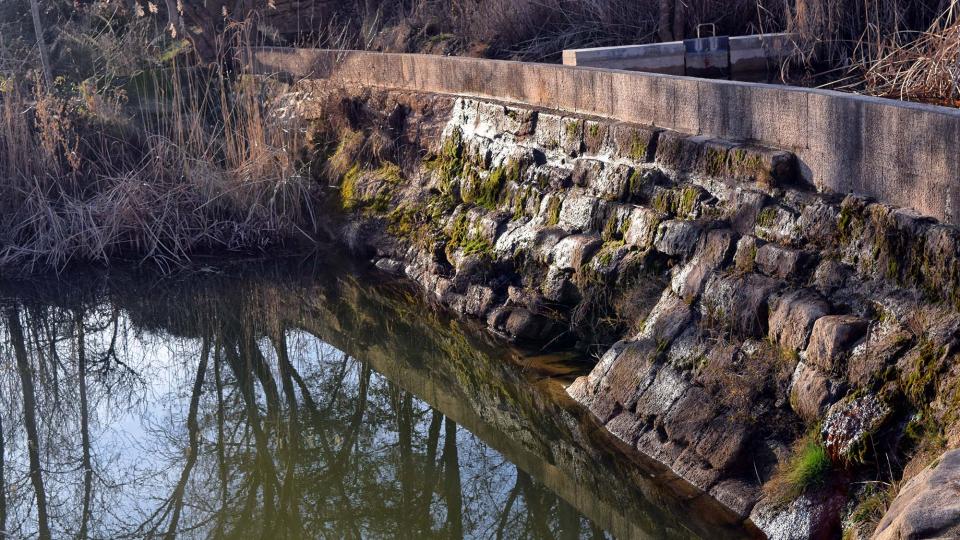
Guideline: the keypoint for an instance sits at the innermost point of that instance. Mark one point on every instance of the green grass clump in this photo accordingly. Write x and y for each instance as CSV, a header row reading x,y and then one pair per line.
x,y
810,467
806,469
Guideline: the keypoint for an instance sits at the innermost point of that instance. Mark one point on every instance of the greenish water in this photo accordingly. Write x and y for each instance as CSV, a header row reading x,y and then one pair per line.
x,y
289,401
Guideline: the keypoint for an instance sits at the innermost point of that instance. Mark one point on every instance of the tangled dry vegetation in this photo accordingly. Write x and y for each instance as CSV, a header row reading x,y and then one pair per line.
x,y
151,157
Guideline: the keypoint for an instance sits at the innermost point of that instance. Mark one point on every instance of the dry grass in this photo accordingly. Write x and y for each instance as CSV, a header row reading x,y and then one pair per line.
x,y
533,30
190,165
893,48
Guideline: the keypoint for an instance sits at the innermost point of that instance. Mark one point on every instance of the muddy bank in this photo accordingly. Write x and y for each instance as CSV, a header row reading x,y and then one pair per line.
x,y
778,348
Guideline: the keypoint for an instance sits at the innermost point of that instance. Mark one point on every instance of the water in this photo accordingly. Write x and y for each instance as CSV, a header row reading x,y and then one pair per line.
x,y
291,401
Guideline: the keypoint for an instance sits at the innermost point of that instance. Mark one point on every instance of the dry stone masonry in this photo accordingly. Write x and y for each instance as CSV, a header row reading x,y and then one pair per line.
x,y
733,312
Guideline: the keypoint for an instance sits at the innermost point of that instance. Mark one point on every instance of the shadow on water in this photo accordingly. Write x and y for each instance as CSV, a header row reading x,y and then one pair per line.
x,y
290,400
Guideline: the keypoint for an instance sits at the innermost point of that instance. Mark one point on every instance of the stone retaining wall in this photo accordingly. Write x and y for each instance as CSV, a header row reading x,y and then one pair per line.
x,y
903,154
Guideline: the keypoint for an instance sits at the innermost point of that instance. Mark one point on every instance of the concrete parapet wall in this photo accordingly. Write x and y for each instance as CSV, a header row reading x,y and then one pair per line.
x,y
904,154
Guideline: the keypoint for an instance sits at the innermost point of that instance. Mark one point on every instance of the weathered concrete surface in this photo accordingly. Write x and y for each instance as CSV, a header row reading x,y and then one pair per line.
x,y
903,154
665,57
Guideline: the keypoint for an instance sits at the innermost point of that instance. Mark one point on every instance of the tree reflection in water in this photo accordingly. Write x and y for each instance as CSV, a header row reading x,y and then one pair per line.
x,y
182,410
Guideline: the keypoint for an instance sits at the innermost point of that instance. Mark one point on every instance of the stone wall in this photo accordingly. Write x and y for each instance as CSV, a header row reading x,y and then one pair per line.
x,y
735,313
900,153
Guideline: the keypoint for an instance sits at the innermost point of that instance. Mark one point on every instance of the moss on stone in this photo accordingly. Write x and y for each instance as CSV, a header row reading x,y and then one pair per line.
x,y
850,223
715,162
638,148
919,379
767,217
390,172
745,164
553,211
520,202
348,187
636,183
687,201
463,238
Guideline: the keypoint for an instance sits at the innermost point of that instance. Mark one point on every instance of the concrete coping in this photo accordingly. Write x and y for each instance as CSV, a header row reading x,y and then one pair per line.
x,y
781,44
900,153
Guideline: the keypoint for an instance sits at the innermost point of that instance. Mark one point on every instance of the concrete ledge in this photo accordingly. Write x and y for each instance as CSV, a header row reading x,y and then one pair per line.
x,y
655,58
904,154
750,57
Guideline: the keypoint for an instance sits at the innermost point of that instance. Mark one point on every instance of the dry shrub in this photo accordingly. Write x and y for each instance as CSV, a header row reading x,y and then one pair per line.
x,y
532,30
894,48
197,167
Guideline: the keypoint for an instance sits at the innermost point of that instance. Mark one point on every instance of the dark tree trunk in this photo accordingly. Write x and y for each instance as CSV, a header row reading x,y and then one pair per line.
x,y
84,425
665,22
679,20
29,419
193,431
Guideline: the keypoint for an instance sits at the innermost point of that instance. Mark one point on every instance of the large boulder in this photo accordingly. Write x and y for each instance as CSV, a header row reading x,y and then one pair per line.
x,y
928,505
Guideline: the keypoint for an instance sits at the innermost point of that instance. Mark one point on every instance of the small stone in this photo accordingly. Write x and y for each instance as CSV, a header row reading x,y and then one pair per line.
x,y
689,416
677,238
611,184
667,319
390,266
873,355
478,300
556,286
548,131
777,261
643,227
832,337
529,328
737,495
723,442
574,251
635,143
819,221
694,469
811,515
518,236
811,393
739,302
595,136
778,224
578,213
571,136
714,250
586,172
747,204
830,275
850,422
545,240
745,258
793,317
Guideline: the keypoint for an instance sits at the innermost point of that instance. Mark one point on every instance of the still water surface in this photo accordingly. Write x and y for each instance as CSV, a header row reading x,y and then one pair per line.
x,y
287,401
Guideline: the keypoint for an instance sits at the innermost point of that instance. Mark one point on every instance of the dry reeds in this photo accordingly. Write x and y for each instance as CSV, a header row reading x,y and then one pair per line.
x,y
194,166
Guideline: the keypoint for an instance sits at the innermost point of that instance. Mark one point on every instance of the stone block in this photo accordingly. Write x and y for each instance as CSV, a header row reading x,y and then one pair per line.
x,y
793,316
832,338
